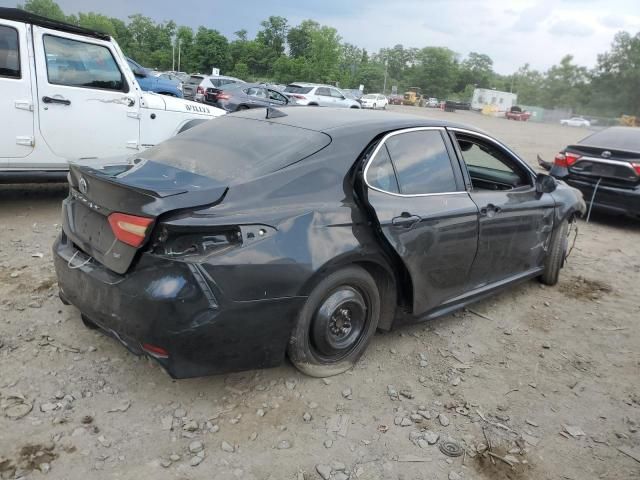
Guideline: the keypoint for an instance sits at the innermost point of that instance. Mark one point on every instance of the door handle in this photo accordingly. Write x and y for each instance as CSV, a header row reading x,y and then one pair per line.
x,y
62,101
490,210
405,220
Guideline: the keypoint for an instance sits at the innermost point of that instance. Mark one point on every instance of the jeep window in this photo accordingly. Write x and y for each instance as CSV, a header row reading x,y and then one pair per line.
x,y
79,64
9,53
323,91
422,162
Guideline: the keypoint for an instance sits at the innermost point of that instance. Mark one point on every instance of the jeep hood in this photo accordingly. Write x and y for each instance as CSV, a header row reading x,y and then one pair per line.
x,y
155,101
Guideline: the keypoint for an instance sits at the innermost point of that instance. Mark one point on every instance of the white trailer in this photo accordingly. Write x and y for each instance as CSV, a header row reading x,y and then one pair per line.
x,y
502,101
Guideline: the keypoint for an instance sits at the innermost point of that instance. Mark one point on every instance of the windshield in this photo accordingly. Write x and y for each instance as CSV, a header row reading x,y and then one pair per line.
x,y
231,149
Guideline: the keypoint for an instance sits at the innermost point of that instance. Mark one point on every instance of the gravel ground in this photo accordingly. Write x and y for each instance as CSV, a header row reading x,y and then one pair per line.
x,y
546,379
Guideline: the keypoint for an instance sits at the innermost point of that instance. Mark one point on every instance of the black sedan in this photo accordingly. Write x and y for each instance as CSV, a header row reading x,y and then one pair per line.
x,y
235,97
301,232
605,167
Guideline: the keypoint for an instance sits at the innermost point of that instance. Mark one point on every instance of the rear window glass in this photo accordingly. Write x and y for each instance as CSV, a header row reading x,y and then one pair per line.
x,y
620,138
297,89
421,162
195,80
231,149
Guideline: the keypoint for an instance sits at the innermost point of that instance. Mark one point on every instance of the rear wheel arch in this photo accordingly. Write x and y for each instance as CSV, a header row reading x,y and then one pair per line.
x,y
389,285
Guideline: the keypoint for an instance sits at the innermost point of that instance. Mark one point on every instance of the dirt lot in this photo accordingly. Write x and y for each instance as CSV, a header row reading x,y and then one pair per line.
x,y
549,378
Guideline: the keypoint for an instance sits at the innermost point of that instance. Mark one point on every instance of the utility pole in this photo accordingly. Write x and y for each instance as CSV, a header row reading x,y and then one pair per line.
x,y
384,87
173,57
179,55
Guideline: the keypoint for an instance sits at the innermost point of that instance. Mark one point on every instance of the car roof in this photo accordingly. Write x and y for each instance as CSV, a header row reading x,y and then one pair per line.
x,y
19,15
615,138
332,120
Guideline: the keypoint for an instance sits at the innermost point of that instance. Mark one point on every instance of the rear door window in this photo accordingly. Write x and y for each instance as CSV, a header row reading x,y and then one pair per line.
x,y
9,52
421,162
80,64
380,173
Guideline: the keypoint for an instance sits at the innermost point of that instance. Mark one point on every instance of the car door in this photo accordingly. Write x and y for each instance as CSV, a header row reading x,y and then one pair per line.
x,y
16,101
339,100
87,107
276,99
257,97
324,97
515,221
424,212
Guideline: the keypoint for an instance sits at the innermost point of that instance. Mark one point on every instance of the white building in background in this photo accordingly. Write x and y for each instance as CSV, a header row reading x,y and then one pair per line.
x,y
485,97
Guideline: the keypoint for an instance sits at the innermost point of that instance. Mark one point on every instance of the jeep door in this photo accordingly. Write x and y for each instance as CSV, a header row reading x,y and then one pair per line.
x,y
16,101
88,108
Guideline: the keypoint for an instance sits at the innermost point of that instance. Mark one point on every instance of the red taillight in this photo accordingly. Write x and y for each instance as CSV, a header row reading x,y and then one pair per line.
x,y
129,229
200,90
223,96
301,97
636,167
155,351
565,159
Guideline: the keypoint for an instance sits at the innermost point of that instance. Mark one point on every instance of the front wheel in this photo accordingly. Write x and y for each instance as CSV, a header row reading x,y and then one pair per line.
x,y
336,323
556,254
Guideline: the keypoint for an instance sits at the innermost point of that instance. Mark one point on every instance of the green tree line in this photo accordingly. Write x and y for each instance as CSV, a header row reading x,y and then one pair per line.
x,y
309,51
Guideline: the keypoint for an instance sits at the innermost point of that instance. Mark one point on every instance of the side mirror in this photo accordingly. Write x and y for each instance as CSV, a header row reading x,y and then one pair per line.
x,y
545,183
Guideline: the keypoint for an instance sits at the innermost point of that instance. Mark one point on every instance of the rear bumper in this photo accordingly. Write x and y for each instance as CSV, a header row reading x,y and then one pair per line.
x,y
613,199
172,305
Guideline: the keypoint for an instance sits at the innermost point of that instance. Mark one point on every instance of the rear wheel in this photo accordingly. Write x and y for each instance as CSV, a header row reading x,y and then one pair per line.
x,y
336,323
556,254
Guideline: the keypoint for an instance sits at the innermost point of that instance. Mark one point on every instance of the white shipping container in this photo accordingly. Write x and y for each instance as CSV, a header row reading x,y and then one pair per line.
x,y
483,97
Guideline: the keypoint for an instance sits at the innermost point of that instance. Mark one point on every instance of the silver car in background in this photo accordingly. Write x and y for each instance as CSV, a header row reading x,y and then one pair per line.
x,y
319,95
196,87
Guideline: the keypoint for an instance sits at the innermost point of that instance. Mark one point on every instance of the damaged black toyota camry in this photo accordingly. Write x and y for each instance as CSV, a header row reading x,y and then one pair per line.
x,y
300,232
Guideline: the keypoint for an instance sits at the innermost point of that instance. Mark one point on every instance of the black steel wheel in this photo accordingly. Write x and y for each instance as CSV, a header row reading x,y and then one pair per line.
x,y
336,323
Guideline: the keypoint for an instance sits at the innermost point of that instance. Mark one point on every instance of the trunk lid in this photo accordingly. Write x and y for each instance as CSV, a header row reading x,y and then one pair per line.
x,y
142,188
615,167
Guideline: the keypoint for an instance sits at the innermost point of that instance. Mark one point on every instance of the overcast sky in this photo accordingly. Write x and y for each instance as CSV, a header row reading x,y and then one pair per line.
x,y
511,32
